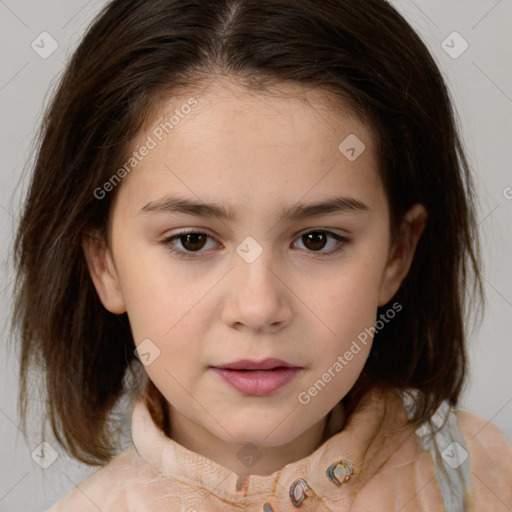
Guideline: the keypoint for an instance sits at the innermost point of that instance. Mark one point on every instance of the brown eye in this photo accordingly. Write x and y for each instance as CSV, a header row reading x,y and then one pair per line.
x,y
187,244
193,241
318,239
315,240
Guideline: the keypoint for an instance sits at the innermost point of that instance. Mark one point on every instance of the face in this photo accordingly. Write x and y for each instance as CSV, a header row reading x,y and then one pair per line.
x,y
275,278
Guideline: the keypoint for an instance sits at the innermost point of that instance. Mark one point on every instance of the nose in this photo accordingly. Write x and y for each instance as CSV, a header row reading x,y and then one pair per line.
x,y
258,299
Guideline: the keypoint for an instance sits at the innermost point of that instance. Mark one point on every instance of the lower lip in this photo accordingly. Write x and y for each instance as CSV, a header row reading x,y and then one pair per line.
x,y
257,382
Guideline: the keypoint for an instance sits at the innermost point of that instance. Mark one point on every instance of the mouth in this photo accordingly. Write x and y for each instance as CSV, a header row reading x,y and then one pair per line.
x,y
250,365
257,382
260,371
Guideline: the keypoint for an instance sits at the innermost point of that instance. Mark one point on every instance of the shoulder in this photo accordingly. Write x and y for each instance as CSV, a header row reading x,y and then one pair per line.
x,y
479,432
490,456
95,491
456,461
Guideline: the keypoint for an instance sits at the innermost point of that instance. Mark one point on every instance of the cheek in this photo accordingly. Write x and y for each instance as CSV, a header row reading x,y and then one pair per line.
x,y
342,351
352,295
155,297
346,306
350,315
166,312
173,337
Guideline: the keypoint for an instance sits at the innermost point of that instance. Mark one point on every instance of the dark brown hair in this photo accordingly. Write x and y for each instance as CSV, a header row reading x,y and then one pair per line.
x,y
139,52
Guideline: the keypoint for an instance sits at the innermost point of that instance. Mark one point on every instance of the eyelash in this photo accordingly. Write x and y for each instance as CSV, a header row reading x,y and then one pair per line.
x,y
167,242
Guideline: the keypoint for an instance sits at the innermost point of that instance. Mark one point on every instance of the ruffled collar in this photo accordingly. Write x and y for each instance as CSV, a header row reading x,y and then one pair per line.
x,y
341,465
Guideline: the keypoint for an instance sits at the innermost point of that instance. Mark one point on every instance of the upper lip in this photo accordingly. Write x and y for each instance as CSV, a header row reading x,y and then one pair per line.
x,y
247,364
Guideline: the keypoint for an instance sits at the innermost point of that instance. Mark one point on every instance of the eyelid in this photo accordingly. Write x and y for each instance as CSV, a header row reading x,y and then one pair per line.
x,y
335,231
190,231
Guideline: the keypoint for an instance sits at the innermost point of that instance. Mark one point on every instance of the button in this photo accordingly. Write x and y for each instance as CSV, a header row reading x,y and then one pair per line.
x,y
339,472
298,492
267,507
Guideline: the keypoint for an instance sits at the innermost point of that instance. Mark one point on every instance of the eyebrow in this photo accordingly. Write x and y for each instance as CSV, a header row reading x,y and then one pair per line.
x,y
172,204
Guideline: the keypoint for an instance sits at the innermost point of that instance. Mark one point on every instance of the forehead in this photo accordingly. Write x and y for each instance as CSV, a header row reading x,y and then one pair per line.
x,y
261,146
236,110
225,111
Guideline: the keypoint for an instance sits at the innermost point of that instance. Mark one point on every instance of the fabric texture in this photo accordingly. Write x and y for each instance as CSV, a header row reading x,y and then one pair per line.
x,y
376,463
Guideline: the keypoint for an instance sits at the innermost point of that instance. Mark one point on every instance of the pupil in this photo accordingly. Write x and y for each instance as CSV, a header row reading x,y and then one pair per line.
x,y
192,240
314,237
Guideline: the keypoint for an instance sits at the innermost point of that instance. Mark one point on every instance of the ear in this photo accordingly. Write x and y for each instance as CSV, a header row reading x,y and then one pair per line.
x,y
402,252
103,273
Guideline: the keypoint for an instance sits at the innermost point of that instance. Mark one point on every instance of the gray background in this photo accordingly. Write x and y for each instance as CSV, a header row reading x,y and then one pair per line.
x,y
481,83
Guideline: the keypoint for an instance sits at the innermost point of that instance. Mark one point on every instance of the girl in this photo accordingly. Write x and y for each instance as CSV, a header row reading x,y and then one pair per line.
x,y
251,226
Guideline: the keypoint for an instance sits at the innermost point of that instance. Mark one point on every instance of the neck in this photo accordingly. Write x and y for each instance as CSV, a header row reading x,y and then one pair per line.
x,y
247,459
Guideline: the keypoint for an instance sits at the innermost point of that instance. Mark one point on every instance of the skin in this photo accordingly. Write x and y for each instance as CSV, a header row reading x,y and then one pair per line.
x,y
257,154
